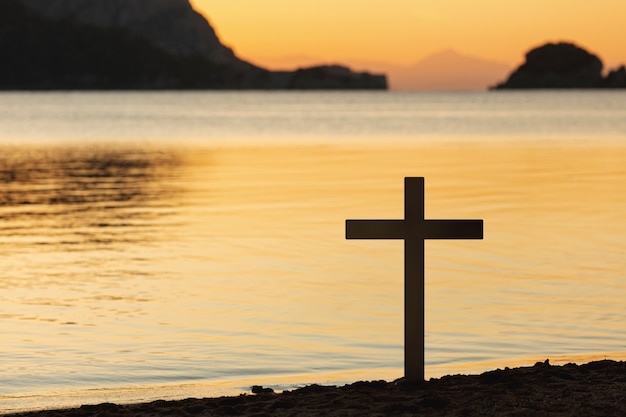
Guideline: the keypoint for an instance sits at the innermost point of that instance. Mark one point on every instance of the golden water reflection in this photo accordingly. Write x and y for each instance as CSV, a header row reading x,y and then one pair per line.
x,y
233,263
92,195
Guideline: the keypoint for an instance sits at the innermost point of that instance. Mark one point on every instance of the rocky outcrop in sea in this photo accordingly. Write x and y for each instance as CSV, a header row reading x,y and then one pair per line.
x,y
562,65
134,44
330,77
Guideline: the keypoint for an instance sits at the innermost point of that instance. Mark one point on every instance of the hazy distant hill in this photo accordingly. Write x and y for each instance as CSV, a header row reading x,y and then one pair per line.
x,y
135,44
447,70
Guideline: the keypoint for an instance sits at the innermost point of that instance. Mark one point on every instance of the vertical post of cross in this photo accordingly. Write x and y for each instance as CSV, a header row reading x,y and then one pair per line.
x,y
414,287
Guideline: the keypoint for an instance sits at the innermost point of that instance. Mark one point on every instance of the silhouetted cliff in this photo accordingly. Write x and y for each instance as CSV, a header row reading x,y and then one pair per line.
x,y
129,44
561,65
171,25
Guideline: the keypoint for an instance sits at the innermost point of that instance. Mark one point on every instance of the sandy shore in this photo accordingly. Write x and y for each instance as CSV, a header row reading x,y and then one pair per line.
x,y
593,389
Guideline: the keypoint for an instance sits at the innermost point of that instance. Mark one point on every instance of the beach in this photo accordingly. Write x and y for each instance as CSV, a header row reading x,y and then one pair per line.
x,y
593,389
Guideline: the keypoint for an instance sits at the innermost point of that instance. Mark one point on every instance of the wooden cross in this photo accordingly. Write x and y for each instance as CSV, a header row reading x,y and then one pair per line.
x,y
414,229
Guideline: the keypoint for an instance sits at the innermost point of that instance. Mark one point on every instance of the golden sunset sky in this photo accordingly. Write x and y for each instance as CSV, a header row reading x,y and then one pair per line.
x,y
405,31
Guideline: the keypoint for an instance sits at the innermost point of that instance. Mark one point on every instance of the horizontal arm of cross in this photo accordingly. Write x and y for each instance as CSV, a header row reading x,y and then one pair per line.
x,y
426,229
375,229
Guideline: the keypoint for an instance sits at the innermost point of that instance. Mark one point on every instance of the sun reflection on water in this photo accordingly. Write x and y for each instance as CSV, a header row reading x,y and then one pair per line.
x,y
124,266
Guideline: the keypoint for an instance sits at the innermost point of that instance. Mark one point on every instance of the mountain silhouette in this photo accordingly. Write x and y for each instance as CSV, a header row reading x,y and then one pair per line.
x,y
136,44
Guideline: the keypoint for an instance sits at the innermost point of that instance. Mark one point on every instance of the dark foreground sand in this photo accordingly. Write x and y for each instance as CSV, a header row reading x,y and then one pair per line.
x,y
594,389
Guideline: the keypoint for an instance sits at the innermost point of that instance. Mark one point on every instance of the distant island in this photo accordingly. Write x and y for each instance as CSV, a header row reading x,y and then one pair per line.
x,y
137,44
562,65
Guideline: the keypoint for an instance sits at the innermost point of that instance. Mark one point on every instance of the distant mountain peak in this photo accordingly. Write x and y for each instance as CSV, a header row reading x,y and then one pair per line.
x,y
444,52
448,70
453,56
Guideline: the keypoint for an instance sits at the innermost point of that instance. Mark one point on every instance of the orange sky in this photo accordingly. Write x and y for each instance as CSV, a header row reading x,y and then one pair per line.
x,y
404,31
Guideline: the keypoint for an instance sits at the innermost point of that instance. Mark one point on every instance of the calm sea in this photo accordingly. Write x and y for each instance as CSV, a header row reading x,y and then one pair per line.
x,y
166,245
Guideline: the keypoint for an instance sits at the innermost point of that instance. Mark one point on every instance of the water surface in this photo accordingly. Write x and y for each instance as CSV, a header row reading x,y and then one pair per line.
x,y
176,244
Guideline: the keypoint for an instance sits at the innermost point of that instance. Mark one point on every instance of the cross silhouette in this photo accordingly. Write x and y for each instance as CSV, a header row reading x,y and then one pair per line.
x,y
414,229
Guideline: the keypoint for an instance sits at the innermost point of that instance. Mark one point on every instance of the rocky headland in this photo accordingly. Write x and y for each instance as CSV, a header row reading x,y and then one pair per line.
x,y
562,65
136,44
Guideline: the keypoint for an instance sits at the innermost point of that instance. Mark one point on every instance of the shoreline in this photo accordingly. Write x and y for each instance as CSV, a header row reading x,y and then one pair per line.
x,y
592,389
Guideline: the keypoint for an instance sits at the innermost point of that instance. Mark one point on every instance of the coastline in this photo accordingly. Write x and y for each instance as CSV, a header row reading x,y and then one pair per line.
x,y
592,389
